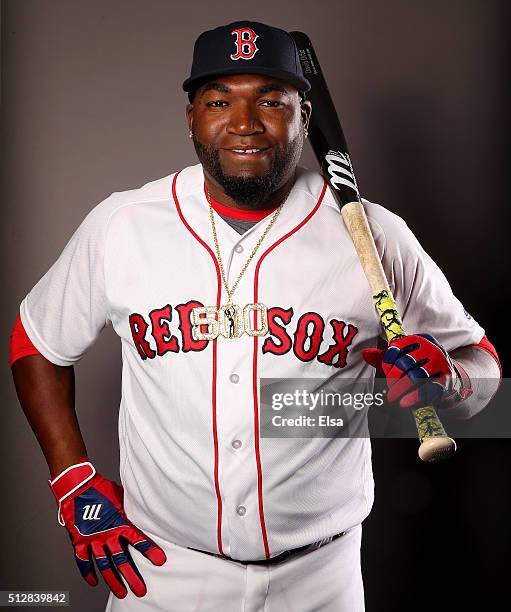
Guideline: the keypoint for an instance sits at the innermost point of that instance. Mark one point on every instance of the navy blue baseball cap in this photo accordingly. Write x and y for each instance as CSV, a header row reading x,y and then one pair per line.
x,y
245,47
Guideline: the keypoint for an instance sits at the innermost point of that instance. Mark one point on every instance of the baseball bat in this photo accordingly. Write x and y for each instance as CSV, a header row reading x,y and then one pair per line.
x,y
329,145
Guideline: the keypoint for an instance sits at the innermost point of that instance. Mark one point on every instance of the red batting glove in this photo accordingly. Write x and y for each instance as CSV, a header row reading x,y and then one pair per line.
x,y
90,507
419,372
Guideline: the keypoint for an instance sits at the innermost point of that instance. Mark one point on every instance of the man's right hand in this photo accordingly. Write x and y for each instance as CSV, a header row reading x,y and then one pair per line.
x,y
91,509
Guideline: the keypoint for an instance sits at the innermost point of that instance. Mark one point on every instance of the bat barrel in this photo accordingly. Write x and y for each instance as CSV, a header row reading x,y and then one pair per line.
x,y
325,132
329,145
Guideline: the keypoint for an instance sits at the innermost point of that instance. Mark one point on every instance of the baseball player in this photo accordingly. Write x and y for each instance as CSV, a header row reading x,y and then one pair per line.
x,y
214,277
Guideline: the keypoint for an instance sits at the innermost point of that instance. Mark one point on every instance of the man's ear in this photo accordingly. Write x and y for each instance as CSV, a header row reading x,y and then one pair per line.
x,y
306,112
189,115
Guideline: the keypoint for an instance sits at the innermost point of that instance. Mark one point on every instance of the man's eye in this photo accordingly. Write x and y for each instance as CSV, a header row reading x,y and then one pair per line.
x,y
272,103
216,103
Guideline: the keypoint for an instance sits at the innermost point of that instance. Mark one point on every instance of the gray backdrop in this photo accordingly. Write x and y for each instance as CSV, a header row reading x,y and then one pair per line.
x,y
92,103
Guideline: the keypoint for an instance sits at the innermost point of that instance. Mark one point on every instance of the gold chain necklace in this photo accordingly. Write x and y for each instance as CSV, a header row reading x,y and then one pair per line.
x,y
251,256
231,321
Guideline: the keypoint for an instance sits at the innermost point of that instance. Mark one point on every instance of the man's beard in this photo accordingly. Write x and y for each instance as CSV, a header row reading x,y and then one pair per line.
x,y
251,191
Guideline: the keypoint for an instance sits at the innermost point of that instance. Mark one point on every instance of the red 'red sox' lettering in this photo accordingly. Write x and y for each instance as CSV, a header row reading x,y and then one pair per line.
x,y
305,341
138,328
343,336
284,342
165,341
308,336
185,327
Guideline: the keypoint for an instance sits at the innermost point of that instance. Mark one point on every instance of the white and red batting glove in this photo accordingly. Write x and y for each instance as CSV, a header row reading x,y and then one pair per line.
x,y
91,509
419,372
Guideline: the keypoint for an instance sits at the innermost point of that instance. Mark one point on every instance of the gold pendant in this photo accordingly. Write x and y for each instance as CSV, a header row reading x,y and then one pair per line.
x,y
229,321
256,319
204,316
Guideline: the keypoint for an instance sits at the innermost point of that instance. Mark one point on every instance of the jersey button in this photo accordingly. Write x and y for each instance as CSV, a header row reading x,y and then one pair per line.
x,y
238,248
236,444
234,378
241,510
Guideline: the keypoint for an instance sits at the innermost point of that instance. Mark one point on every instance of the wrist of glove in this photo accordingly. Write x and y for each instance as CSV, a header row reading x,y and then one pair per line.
x,y
91,509
420,372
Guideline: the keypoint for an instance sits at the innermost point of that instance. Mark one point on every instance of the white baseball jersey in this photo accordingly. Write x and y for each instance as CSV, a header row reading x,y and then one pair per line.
x,y
195,469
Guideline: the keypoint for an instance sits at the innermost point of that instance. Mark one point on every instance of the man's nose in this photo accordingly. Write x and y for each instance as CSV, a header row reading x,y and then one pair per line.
x,y
245,121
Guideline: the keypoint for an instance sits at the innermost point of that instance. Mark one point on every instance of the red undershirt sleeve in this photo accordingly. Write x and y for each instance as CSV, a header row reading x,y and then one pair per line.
x,y
487,346
20,344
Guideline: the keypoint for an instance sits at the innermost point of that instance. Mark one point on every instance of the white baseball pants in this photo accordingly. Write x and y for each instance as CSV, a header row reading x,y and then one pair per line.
x,y
327,579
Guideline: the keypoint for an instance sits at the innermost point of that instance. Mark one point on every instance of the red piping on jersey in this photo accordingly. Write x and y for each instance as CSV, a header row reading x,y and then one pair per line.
x,y
238,213
254,371
214,374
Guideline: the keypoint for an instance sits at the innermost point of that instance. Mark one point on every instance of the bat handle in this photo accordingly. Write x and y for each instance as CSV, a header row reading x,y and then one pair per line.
x,y
435,443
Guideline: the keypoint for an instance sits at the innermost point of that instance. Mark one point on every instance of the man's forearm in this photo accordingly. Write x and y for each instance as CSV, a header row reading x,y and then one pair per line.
x,y
47,395
484,374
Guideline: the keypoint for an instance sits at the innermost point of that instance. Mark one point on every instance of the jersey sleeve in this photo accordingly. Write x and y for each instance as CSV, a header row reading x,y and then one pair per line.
x,y
423,295
66,310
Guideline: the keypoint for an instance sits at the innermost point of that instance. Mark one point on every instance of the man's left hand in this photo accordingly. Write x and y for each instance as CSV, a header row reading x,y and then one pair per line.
x,y
418,369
